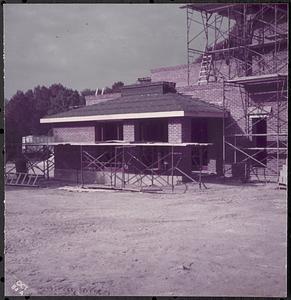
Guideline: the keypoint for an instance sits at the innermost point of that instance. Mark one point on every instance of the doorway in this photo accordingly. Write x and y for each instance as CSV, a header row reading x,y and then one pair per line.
x,y
259,130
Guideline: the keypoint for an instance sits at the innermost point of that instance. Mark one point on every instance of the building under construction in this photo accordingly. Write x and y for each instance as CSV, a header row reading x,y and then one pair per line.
x,y
242,67
222,113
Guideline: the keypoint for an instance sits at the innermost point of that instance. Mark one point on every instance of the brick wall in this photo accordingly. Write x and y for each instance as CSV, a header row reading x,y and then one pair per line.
x,y
270,63
177,74
215,151
74,134
211,93
129,130
179,130
269,98
174,131
239,119
266,64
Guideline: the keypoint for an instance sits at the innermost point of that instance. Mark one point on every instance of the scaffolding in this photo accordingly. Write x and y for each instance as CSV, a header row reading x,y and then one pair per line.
x,y
38,158
125,169
247,44
237,36
116,165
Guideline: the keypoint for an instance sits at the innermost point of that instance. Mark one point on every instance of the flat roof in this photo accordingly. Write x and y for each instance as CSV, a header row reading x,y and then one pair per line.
x,y
258,79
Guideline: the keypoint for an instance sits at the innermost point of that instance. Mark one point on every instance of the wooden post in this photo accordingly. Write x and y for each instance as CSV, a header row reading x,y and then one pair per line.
x,y
82,178
123,174
172,169
115,163
188,45
44,167
235,160
102,133
200,166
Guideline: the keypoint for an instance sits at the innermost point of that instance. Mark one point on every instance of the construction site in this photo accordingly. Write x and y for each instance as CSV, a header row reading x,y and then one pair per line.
x,y
224,113
213,131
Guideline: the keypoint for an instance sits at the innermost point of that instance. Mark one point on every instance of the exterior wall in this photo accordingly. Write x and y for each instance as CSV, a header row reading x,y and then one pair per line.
x,y
74,134
179,130
129,131
211,93
177,74
67,157
272,123
263,64
175,131
75,176
269,63
235,99
215,132
93,177
241,121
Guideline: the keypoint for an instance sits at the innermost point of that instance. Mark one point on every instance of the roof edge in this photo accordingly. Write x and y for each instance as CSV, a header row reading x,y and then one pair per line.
x,y
125,116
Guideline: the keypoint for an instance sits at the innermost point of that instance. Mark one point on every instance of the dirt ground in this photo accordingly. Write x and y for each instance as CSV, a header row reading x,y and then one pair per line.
x,y
225,241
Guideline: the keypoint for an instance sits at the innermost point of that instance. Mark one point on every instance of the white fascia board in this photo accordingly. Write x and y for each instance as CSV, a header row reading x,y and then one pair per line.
x,y
206,115
114,117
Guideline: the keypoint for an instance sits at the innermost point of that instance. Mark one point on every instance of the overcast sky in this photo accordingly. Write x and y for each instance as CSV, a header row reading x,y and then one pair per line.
x,y
89,45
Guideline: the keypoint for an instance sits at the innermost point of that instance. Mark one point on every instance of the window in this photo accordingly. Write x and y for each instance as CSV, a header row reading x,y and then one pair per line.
x,y
108,131
199,131
199,134
153,131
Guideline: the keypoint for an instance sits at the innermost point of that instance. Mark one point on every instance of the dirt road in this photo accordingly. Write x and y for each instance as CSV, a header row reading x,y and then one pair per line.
x,y
226,241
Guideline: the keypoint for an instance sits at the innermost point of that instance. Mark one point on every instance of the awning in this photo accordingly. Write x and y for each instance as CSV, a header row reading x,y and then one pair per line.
x,y
258,79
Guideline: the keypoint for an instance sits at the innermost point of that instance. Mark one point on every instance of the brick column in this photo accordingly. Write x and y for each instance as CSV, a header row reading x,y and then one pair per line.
x,y
179,131
215,151
175,131
129,131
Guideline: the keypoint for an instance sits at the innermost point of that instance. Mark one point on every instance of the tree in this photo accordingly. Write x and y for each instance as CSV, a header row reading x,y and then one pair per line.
x,y
24,111
107,90
117,86
89,92
18,112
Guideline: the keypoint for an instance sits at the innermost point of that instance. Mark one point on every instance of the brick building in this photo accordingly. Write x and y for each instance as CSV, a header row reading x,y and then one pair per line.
x,y
242,67
233,98
152,117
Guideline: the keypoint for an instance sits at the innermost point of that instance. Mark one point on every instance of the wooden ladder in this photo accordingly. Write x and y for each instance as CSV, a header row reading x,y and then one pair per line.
x,y
22,179
205,69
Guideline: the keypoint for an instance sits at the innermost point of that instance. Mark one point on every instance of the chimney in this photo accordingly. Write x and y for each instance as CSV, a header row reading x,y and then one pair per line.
x,y
144,79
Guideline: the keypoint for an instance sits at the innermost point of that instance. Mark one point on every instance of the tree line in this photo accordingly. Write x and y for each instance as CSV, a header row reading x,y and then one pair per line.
x,y
25,109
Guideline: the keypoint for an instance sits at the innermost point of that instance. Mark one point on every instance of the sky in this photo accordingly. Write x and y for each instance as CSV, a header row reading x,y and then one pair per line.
x,y
89,45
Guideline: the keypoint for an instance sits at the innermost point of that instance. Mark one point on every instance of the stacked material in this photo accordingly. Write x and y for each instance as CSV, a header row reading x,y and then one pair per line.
x,y
283,177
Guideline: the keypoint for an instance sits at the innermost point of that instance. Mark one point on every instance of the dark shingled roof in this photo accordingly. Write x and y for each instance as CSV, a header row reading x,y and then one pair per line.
x,y
143,104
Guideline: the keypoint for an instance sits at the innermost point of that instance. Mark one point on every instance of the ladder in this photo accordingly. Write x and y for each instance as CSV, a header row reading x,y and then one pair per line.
x,y
205,69
22,179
